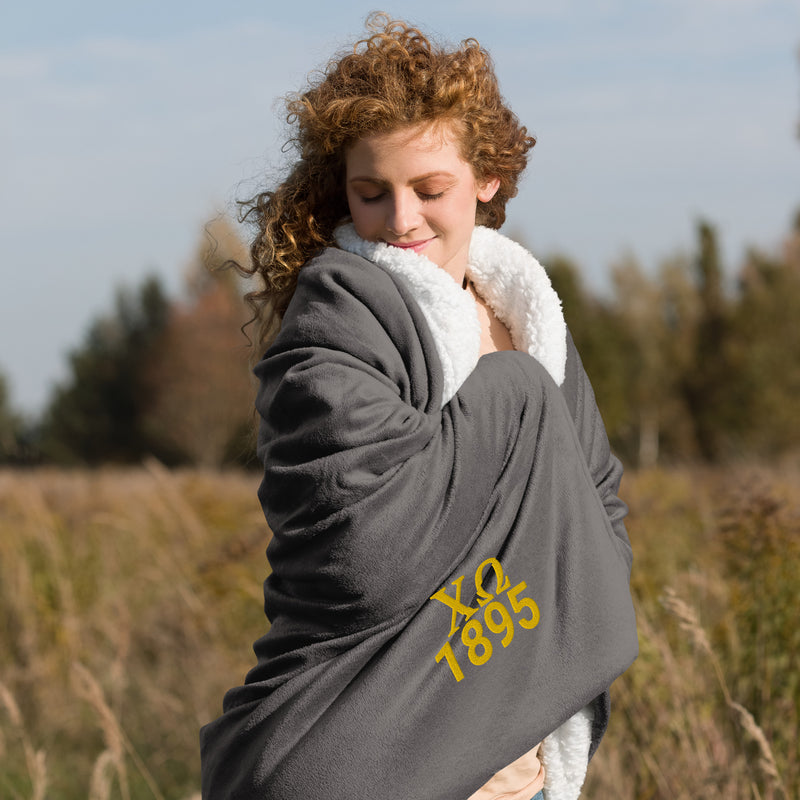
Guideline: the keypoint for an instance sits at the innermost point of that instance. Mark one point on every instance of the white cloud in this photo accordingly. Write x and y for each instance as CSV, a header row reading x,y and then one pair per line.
x,y
22,66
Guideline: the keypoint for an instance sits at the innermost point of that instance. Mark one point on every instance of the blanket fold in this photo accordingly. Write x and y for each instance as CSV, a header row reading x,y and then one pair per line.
x,y
449,583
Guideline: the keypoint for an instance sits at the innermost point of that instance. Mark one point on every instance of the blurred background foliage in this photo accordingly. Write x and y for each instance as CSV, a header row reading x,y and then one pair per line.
x,y
693,362
155,376
690,362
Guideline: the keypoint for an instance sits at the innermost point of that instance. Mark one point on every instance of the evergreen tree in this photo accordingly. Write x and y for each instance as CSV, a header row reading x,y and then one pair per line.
x,y
603,343
200,385
10,427
709,383
768,348
96,415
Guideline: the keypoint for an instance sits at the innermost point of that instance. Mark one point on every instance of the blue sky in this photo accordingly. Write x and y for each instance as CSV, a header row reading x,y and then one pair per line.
x,y
125,127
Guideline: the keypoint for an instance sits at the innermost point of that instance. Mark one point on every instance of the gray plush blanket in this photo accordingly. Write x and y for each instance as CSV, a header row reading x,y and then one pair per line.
x,y
449,583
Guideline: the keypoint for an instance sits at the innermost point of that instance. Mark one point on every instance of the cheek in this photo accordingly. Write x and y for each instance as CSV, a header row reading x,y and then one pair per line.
x,y
358,217
463,213
364,219
355,208
351,205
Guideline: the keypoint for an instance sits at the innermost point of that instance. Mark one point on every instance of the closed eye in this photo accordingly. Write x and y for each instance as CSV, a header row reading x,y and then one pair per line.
x,y
424,196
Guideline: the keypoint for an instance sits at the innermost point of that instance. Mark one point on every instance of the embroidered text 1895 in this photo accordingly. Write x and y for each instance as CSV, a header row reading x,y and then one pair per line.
x,y
496,616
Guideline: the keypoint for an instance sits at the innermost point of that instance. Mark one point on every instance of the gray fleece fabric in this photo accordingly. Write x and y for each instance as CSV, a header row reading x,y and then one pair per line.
x,y
449,583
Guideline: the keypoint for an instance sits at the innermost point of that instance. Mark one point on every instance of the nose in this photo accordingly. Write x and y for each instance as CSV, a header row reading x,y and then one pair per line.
x,y
403,213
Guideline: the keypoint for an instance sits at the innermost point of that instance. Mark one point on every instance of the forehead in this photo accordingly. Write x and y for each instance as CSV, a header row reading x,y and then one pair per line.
x,y
407,146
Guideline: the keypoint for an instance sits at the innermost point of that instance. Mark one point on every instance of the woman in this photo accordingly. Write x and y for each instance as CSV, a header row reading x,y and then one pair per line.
x,y
449,591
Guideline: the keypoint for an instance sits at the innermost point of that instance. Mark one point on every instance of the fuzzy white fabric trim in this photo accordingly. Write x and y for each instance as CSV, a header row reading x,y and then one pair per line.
x,y
450,312
565,755
519,291
505,274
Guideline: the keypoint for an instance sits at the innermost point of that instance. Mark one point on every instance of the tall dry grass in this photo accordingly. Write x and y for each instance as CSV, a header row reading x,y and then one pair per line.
x,y
129,600
711,707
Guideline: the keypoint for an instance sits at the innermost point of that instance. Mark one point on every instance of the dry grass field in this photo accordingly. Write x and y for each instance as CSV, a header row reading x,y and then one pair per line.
x,y
129,599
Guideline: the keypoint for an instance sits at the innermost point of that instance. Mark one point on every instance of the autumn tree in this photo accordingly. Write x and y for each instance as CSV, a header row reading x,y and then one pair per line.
x,y
678,313
201,390
639,313
659,315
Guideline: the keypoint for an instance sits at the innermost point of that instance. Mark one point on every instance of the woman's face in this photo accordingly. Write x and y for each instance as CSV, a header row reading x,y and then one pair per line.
x,y
412,189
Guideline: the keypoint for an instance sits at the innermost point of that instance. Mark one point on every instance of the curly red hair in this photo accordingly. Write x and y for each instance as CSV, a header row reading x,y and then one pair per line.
x,y
394,78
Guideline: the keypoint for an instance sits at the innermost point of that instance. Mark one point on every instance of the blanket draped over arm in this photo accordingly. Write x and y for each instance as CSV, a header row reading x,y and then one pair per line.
x,y
449,584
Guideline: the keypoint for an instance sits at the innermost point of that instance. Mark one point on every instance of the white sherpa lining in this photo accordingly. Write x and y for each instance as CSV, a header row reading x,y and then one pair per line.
x,y
565,755
450,312
508,278
519,291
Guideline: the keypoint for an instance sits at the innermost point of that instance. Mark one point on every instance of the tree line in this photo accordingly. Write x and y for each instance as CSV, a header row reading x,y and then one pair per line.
x,y
688,363
155,377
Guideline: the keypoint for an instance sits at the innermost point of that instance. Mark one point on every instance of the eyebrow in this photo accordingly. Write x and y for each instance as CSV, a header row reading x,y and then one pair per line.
x,y
379,182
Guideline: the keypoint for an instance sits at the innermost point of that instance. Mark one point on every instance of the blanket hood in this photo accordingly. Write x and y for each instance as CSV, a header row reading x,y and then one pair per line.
x,y
505,274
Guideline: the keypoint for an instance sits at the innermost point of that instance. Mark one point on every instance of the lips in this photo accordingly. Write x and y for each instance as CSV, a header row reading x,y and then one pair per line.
x,y
415,246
